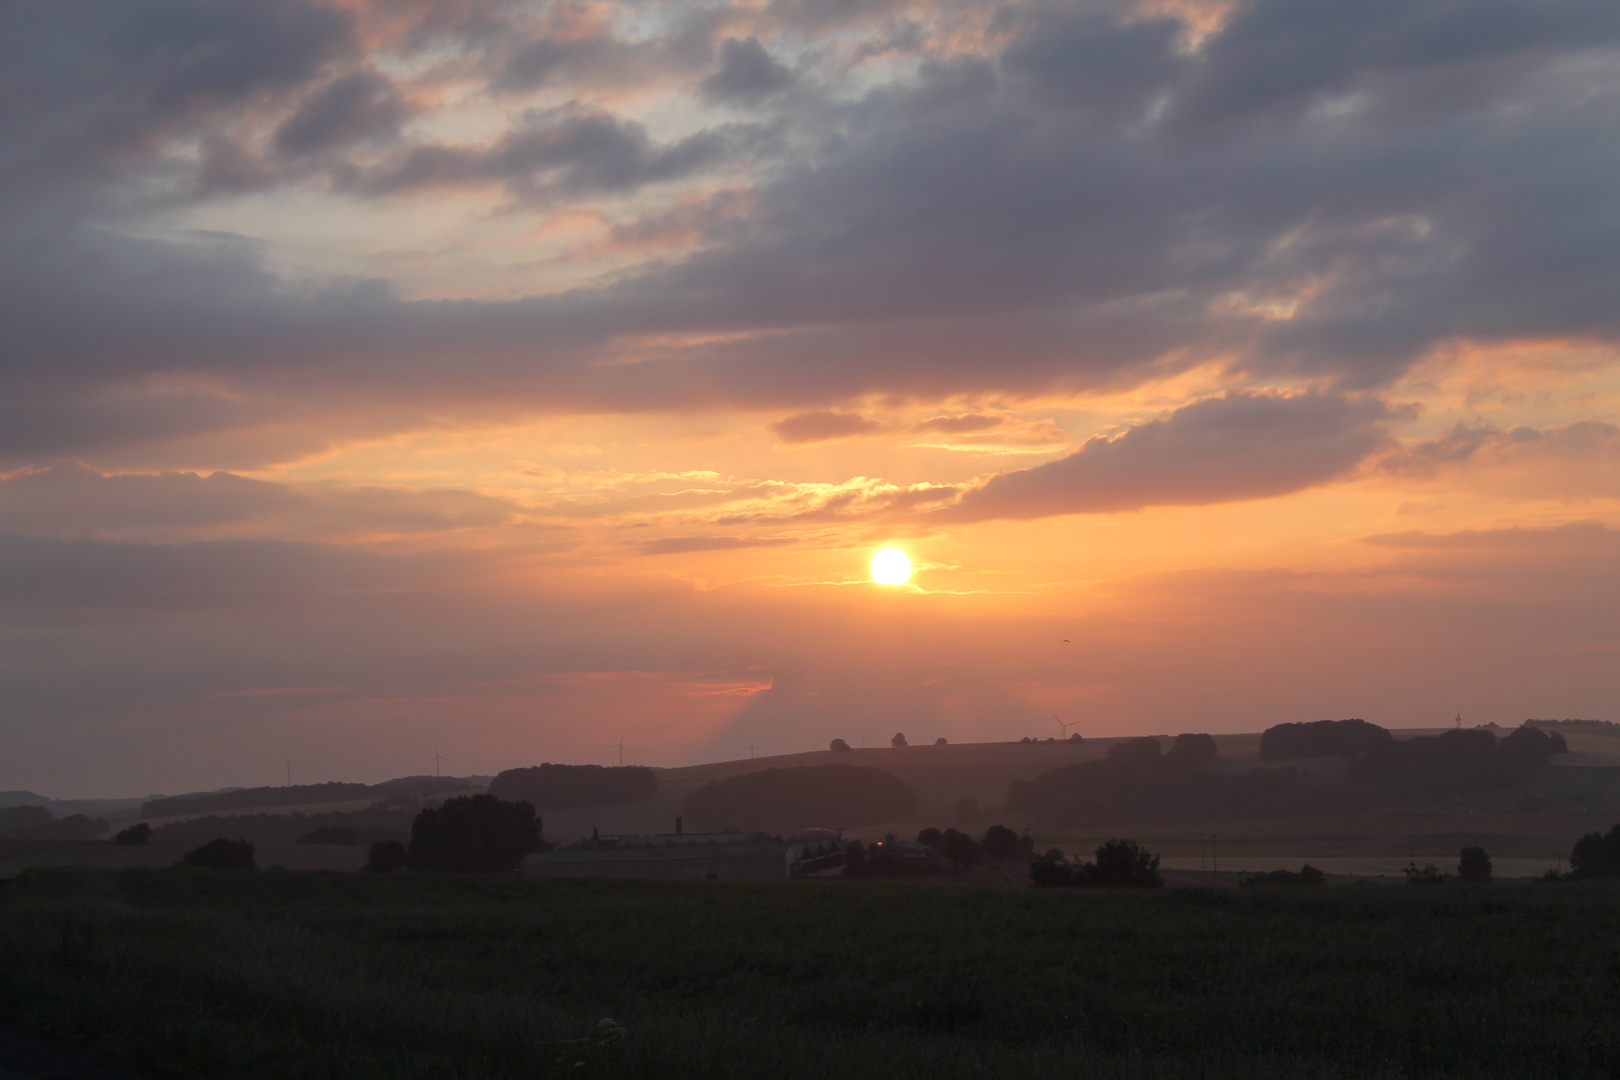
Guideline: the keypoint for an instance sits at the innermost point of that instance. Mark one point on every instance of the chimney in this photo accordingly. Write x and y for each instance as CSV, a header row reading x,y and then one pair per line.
x,y
677,826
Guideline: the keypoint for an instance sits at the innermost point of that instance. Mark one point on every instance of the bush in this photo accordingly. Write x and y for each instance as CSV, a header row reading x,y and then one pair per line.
x,y
1308,877
839,746
781,800
474,834
898,740
136,834
1000,842
386,856
566,787
1120,864
967,812
331,834
1474,865
1596,856
1322,738
1194,749
221,854
961,849
940,741
1427,874
1135,751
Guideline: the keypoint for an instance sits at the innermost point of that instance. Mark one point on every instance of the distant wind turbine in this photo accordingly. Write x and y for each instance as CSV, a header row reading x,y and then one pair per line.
x,y
436,760
1066,727
290,763
620,747
750,751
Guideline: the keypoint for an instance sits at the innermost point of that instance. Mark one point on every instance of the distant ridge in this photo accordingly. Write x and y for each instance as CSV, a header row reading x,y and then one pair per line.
x,y
301,795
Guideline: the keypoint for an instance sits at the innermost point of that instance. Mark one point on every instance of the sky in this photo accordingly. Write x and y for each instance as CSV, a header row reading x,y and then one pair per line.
x,y
506,380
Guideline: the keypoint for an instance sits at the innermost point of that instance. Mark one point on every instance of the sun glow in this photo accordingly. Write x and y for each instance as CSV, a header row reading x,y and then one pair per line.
x,y
891,567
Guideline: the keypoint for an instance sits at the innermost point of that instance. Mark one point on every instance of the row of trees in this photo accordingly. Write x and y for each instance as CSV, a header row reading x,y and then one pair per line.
x,y
1119,864
781,800
566,787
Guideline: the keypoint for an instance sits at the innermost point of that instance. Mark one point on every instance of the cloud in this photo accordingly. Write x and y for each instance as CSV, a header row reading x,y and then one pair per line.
x,y
748,74
353,108
823,426
1240,445
1487,445
966,424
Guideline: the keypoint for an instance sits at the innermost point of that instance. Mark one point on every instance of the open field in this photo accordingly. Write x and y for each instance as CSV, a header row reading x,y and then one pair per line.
x,y
109,856
307,976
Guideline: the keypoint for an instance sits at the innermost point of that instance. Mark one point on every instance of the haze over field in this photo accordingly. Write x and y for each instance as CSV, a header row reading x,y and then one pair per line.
x,y
383,378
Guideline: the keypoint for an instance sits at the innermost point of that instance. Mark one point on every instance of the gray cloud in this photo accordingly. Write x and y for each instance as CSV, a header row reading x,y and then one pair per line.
x,y
1236,446
748,73
824,426
359,106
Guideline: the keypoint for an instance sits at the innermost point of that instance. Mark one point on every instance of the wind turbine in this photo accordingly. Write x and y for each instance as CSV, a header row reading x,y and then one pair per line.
x,y
1066,727
750,751
620,746
290,763
861,737
436,760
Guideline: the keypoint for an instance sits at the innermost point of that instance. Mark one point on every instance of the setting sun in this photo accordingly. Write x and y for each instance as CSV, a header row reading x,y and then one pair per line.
x,y
891,567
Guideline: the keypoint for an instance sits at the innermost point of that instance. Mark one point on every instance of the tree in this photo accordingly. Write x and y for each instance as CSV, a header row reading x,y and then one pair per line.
x,y
1427,874
1135,751
967,812
1000,842
1026,846
940,741
1123,864
1596,855
474,834
1473,865
221,854
839,746
138,833
899,739
961,849
1322,738
1194,750
386,856
930,837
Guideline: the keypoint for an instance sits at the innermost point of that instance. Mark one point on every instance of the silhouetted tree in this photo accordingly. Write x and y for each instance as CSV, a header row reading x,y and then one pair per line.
x,y
839,746
1123,864
1135,751
1192,749
899,739
967,812
474,834
1474,865
1075,738
1000,842
221,854
931,837
1322,738
940,741
386,856
1308,876
961,849
1051,871
1427,874
1596,855
138,833
1026,846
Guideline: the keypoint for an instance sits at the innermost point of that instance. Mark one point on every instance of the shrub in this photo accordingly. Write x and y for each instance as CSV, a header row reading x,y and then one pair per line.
x,y
386,856
1322,738
1120,864
1000,842
898,740
839,746
961,849
781,800
940,741
138,833
1135,751
1596,856
1427,874
221,854
1308,877
565,787
967,812
474,834
1474,865
1194,749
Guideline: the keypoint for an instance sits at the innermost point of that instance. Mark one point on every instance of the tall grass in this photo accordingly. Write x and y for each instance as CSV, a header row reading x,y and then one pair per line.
x,y
323,975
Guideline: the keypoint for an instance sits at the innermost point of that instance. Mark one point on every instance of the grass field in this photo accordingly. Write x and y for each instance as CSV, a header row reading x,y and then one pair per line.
x,y
324,975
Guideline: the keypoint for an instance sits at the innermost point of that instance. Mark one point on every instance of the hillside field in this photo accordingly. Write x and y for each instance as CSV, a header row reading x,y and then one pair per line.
x,y
310,976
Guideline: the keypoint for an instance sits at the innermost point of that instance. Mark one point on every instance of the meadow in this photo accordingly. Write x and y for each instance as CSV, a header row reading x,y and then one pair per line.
x,y
323,975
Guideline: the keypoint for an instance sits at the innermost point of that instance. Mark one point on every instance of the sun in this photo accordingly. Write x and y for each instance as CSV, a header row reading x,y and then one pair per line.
x,y
891,567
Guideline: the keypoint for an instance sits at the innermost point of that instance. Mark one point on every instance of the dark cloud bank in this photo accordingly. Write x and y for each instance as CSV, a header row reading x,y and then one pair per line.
x,y
1082,202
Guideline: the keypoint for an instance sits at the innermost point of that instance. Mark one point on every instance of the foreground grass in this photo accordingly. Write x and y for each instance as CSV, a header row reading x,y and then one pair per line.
x,y
321,975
